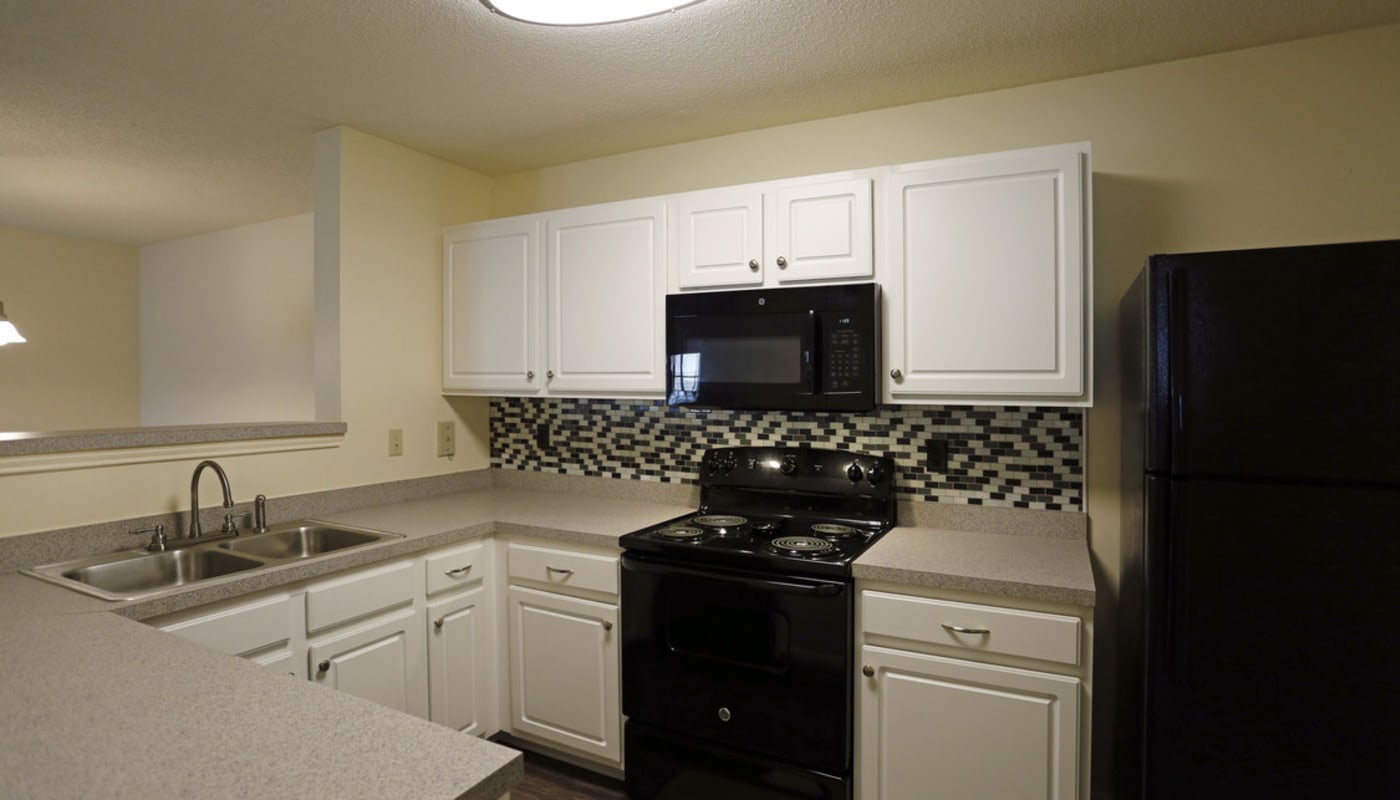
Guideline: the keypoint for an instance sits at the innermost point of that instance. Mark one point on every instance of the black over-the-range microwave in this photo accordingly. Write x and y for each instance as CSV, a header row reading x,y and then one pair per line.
x,y
810,348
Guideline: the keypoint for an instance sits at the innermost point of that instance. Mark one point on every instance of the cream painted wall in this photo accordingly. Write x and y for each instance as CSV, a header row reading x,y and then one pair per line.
x,y
1287,144
226,326
75,301
394,203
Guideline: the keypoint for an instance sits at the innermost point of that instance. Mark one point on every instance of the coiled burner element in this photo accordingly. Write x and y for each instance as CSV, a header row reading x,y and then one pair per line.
x,y
681,533
802,546
831,530
719,521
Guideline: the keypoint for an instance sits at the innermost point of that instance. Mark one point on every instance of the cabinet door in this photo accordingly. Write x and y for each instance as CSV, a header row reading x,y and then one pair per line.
x,y
606,278
960,730
822,232
459,644
492,292
380,661
987,273
718,238
564,674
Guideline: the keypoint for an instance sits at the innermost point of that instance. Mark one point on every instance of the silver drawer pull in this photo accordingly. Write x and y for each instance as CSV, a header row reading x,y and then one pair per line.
x,y
961,629
438,623
452,573
559,570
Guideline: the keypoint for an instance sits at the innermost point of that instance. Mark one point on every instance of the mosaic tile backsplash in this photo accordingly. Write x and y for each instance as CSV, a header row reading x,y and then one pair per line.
x,y
997,456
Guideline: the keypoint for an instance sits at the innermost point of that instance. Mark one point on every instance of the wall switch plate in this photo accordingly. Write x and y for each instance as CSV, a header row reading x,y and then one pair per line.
x,y
447,438
936,455
396,441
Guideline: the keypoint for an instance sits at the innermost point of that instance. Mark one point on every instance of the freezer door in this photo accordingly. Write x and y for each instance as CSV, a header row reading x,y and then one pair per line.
x,y
1273,643
1280,363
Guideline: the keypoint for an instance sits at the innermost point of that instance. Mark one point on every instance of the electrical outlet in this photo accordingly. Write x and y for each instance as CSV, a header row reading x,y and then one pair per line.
x,y
396,441
936,455
447,438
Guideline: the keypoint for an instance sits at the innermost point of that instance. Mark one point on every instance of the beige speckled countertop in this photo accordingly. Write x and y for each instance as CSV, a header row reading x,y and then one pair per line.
x,y
95,704
1055,570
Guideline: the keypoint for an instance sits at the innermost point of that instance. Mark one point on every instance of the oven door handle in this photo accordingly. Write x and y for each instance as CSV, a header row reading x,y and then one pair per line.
x,y
772,584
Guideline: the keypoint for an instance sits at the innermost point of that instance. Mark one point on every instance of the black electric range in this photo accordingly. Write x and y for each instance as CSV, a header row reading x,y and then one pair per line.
x,y
737,628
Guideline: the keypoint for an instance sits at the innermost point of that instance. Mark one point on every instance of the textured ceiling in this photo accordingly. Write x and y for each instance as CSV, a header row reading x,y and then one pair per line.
x,y
148,120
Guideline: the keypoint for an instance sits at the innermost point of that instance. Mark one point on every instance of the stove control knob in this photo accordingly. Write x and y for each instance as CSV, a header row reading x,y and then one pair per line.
x,y
730,462
876,473
854,472
789,465
724,715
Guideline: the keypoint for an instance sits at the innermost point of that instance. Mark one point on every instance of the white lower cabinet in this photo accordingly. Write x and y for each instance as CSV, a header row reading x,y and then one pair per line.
x,y
563,638
564,671
460,639
437,636
940,727
380,660
962,700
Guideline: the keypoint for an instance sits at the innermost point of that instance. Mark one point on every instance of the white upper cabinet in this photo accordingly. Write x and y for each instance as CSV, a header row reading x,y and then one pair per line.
x,y
566,302
605,279
822,231
718,238
492,295
768,234
986,272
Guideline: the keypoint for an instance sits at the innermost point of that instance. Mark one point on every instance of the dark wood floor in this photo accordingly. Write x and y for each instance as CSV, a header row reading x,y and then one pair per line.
x,y
548,779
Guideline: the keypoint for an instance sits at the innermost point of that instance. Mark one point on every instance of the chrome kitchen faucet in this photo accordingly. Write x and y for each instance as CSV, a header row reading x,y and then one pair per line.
x,y
229,527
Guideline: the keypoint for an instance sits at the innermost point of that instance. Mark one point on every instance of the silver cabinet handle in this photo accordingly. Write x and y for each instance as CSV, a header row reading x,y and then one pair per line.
x,y
549,374
437,623
529,374
961,629
753,264
452,573
607,626
868,671
559,570
324,666
896,374
782,263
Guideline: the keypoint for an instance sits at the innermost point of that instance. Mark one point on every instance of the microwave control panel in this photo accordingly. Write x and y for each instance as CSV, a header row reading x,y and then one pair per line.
x,y
848,356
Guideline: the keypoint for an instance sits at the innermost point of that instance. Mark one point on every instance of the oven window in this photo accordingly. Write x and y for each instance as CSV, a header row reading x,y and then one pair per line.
x,y
744,637
748,359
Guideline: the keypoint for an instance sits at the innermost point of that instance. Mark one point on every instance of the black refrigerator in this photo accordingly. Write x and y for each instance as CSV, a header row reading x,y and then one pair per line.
x,y
1259,639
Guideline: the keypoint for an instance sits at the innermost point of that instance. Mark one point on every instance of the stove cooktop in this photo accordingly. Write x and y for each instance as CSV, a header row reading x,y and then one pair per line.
x,y
795,510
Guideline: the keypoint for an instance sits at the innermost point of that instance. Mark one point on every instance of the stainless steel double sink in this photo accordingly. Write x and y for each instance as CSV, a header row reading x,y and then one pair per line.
x,y
133,574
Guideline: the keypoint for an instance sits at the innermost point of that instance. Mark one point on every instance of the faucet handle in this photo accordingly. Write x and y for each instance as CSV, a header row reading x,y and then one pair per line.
x,y
157,533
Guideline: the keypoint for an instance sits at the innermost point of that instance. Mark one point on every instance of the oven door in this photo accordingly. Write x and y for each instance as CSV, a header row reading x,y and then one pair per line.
x,y
737,360
749,661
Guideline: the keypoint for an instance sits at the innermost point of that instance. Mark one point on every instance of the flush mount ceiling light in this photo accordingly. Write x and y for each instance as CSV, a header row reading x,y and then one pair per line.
x,y
581,12
8,333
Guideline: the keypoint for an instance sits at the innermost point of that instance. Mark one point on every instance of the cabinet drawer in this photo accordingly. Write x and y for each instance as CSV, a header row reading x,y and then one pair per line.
x,y
987,629
460,566
563,568
239,629
358,595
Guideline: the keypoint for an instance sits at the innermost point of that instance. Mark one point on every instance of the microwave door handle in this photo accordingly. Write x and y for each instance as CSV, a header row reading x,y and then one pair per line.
x,y
811,352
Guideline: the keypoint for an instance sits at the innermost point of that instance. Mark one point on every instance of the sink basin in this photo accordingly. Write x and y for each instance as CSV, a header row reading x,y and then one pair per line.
x,y
154,572
303,541
134,574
